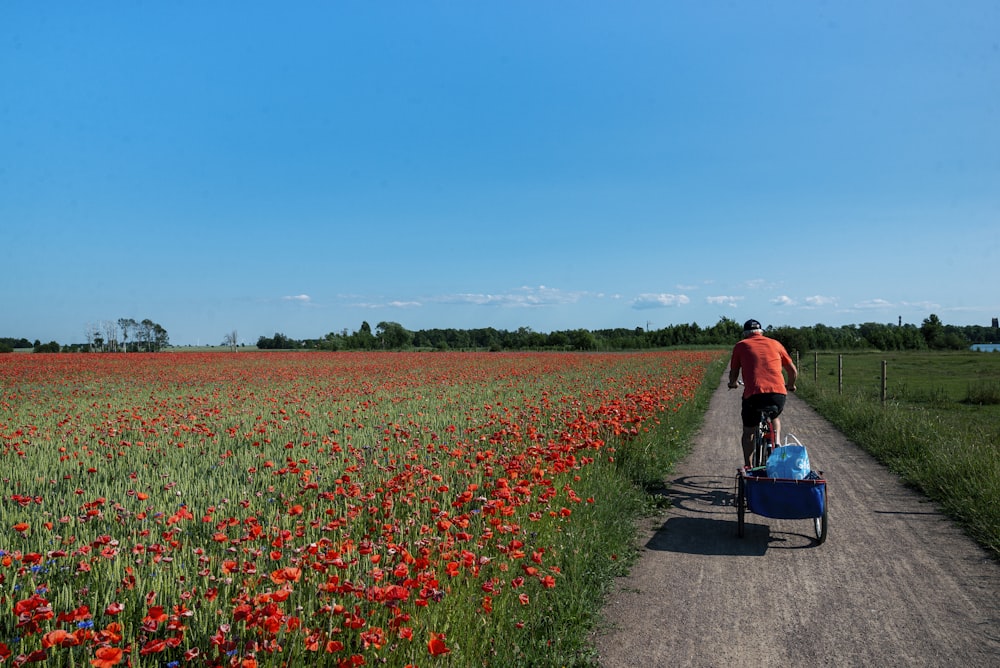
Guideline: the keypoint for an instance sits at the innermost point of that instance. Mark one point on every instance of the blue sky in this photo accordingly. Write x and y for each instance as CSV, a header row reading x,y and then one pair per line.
x,y
303,167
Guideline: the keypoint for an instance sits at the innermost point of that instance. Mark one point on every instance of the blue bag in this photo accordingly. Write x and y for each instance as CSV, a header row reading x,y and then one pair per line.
x,y
788,461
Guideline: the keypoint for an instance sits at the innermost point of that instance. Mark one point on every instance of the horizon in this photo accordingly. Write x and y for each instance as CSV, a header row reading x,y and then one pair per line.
x,y
306,169
252,341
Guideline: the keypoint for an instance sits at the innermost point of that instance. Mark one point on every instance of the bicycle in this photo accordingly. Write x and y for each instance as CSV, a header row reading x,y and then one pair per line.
x,y
763,446
763,439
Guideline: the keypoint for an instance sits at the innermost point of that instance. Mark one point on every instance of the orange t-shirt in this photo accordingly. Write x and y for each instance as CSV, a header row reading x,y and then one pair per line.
x,y
760,360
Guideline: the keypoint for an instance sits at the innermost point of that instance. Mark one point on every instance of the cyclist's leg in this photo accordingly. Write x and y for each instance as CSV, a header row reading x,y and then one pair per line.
x,y
748,444
750,416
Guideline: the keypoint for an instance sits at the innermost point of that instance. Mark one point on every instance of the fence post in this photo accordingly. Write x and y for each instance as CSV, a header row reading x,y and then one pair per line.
x,y
815,365
884,367
840,374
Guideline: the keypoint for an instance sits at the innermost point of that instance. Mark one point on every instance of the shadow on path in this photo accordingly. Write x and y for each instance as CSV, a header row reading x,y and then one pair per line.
x,y
702,535
703,494
704,522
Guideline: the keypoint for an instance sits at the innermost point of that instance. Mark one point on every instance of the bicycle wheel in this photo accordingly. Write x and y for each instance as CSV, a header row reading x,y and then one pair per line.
x,y
741,506
762,441
759,451
820,523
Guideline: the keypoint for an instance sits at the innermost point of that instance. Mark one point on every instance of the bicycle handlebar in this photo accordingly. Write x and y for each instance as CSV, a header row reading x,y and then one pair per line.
x,y
790,388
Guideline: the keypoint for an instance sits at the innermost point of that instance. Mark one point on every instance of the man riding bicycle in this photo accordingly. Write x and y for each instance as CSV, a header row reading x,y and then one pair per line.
x,y
761,360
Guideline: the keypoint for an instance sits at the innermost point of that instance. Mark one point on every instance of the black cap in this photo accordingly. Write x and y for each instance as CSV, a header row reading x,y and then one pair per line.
x,y
751,325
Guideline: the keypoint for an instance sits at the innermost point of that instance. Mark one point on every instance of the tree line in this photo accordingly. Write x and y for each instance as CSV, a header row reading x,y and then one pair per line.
x,y
125,335
108,336
128,335
932,334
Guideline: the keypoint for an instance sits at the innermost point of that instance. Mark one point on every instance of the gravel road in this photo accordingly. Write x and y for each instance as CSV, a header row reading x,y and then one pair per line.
x,y
895,584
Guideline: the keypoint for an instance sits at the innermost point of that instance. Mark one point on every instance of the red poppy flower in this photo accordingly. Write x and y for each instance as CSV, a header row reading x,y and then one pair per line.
x,y
59,637
156,613
81,613
436,644
107,657
154,646
37,656
286,574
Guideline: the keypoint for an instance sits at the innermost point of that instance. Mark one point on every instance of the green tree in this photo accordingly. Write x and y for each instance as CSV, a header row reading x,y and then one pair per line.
x,y
791,338
363,339
127,325
932,330
331,341
558,339
50,347
581,339
726,330
393,335
278,342
160,337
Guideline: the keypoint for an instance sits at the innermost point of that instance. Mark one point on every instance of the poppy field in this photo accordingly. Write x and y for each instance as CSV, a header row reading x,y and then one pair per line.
x,y
335,509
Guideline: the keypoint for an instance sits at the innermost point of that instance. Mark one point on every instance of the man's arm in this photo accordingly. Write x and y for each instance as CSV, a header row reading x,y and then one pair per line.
x,y
734,368
734,374
793,375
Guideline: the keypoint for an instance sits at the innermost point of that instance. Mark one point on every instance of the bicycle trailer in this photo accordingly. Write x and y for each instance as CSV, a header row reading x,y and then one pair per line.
x,y
782,498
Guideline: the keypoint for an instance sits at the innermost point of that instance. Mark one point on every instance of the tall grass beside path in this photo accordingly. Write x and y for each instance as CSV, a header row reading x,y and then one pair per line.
x,y
954,461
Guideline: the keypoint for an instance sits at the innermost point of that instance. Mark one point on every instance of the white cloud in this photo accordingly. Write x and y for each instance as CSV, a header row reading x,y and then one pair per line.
x,y
303,299
726,300
873,304
523,297
783,300
389,304
819,300
662,300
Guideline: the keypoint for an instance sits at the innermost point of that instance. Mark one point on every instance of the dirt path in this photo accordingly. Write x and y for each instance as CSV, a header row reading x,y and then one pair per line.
x,y
895,584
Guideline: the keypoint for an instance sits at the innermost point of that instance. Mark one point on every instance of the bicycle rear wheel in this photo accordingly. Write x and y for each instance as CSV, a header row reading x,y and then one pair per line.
x,y
741,505
820,523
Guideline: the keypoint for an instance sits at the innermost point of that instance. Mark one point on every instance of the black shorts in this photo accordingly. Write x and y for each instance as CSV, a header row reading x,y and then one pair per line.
x,y
755,404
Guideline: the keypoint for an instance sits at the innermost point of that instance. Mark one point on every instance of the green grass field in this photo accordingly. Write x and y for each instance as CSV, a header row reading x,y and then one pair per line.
x,y
938,428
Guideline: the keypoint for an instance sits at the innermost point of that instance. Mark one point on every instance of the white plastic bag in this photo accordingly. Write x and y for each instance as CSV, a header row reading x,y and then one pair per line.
x,y
788,461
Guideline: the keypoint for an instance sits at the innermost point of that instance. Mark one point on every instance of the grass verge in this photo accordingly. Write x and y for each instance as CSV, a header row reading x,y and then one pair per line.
x,y
938,449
